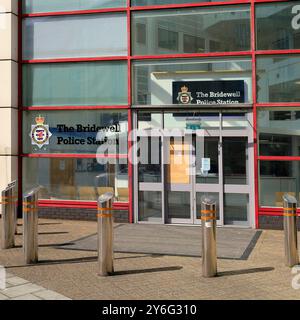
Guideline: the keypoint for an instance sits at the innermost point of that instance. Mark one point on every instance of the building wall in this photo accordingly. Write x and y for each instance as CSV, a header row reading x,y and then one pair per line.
x,y
120,74
8,91
120,216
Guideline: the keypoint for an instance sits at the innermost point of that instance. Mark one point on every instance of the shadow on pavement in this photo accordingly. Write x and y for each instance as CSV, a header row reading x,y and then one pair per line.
x,y
126,272
244,271
73,260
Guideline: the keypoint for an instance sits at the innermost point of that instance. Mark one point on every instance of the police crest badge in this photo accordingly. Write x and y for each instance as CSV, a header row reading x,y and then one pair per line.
x,y
40,133
184,97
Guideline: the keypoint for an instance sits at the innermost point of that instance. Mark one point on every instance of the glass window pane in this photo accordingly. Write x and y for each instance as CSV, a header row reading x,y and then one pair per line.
x,y
286,34
149,155
183,81
150,206
179,205
33,6
235,160
90,131
209,150
75,84
74,36
162,2
194,30
148,120
75,179
279,133
277,178
278,78
191,120
234,120
236,208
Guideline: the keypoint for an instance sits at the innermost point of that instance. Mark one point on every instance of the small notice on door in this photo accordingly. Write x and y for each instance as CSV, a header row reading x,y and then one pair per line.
x,y
205,164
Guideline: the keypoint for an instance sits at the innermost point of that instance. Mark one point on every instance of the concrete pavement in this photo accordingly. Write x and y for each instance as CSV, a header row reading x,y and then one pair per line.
x,y
73,273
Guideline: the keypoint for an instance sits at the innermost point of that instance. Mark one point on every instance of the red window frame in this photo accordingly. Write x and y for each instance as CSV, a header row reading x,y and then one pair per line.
x,y
128,10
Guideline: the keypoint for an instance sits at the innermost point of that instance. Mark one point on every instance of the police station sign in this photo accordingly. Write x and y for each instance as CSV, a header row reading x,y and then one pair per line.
x,y
209,92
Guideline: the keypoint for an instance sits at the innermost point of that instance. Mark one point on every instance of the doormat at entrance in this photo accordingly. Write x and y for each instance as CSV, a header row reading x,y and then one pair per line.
x,y
232,243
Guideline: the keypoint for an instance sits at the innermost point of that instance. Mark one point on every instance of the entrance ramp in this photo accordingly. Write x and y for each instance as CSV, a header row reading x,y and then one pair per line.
x,y
232,243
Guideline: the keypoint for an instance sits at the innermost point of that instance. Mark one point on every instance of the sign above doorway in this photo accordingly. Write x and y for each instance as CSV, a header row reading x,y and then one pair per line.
x,y
209,92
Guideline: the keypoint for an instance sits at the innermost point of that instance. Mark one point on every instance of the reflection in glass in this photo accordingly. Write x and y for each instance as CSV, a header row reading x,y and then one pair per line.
x,y
153,80
191,120
179,205
231,120
79,36
34,6
149,154
210,150
236,208
76,131
75,84
279,131
277,178
284,36
194,30
75,179
235,160
278,78
149,120
150,206
158,2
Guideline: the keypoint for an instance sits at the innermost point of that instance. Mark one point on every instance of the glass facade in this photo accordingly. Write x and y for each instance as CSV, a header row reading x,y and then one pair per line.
x,y
80,131
75,84
191,30
153,82
34,6
276,179
181,64
279,131
286,35
278,78
165,2
46,37
82,179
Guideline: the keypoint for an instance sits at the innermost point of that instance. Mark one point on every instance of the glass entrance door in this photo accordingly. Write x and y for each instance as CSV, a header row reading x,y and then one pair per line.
x,y
216,161
179,179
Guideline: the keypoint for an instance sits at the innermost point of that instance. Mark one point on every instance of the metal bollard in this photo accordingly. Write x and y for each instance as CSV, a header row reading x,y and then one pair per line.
x,y
13,185
30,227
7,220
209,247
290,230
105,234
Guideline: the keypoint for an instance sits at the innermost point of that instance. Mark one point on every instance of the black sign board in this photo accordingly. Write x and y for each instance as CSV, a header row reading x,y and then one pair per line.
x,y
209,92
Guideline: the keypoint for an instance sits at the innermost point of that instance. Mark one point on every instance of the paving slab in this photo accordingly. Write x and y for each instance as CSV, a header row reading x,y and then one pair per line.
x,y
27,297
3,297
50,295
21,290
